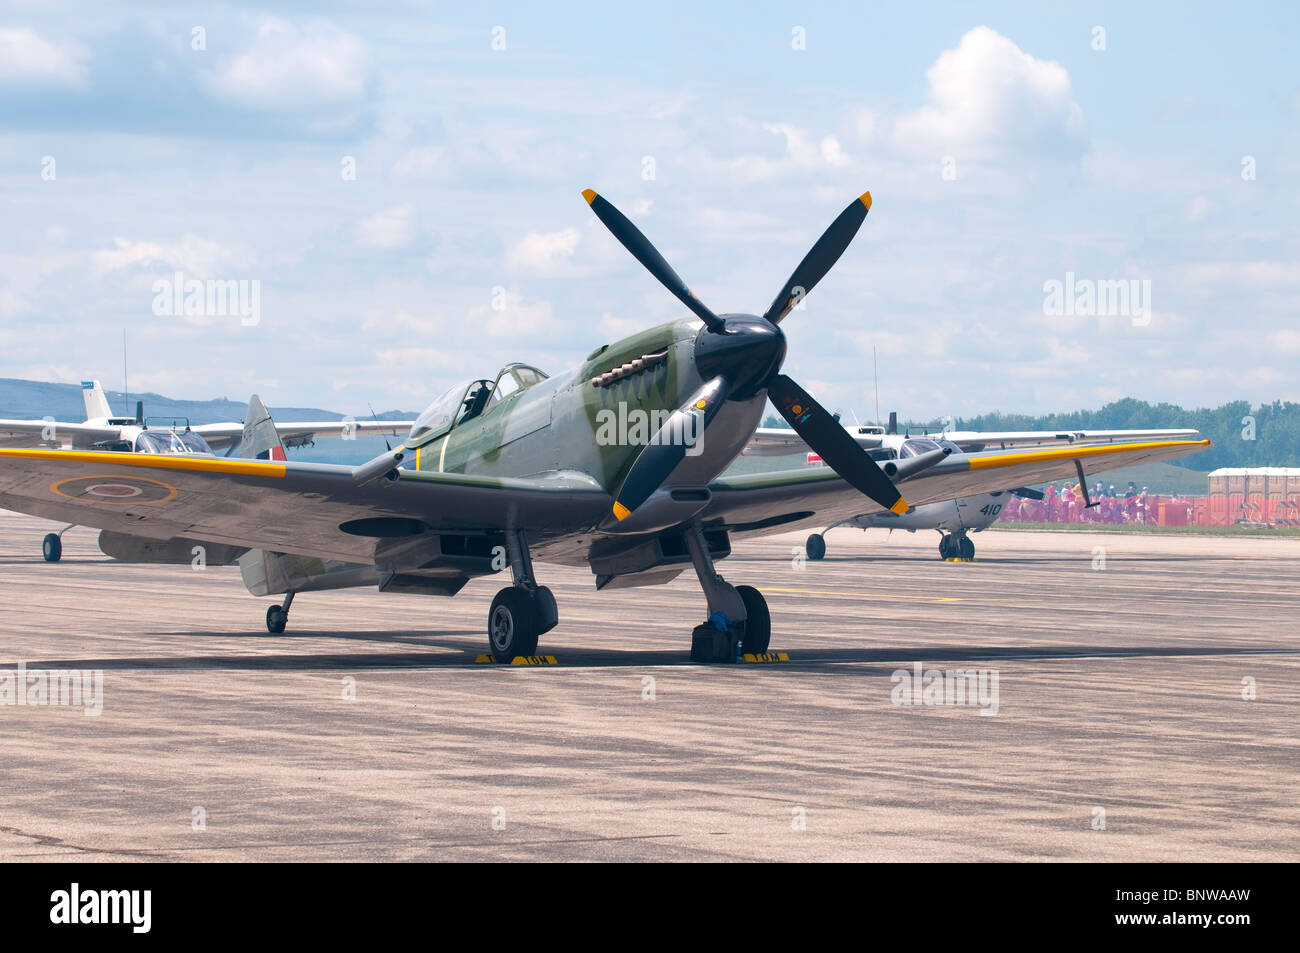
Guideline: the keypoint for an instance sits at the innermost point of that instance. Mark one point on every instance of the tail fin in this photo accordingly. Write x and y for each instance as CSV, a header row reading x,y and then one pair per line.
x,y
96,403
261,441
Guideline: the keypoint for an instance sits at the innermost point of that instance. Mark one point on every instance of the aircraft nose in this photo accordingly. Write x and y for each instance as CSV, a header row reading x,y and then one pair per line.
x,y
748,352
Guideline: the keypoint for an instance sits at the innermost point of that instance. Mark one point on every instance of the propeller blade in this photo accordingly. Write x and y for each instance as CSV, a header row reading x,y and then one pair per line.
x,y
833,443
825,253
681,432
643,251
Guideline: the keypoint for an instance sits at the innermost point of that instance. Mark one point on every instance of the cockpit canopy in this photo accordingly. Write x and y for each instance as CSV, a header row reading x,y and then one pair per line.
x,y
915,446
470,399
170,441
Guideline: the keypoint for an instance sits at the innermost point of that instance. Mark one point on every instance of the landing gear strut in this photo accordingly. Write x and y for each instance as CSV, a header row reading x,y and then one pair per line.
x,y
277,617
52,544
522,612
956,546
738,623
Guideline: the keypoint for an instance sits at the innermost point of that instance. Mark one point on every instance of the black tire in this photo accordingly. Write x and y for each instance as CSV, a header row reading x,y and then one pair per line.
x,y
276,619
966,548
758,622
945,548
512,625
52,548
816,546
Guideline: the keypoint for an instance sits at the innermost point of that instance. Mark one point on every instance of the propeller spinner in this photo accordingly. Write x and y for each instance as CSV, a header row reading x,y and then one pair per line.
x,y
741,355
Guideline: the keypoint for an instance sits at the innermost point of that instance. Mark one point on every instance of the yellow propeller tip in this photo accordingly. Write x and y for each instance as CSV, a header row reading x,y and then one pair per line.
x,y
621,511
864,198
590,196
900,507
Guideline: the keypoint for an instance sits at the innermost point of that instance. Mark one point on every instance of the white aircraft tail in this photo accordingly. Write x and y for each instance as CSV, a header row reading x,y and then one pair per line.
x,y
96,403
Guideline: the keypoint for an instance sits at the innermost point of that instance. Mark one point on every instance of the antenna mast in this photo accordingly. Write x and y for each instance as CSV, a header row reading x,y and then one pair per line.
x,y
876,374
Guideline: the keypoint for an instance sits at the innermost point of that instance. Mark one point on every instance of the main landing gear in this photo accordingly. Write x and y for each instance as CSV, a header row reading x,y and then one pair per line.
x,y
52,544
816,546
956,546
522,612
738,622
277,617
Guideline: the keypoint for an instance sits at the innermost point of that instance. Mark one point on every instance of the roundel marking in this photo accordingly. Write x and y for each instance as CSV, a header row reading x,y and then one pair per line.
x,y
114,489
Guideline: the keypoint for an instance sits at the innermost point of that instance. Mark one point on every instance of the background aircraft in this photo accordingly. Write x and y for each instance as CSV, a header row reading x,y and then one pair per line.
x,y
954,519
102,430
501,470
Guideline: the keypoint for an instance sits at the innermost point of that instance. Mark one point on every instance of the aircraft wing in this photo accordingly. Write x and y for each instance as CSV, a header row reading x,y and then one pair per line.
x,y
974,440
781,441
773,502
225,435
286,507
36,433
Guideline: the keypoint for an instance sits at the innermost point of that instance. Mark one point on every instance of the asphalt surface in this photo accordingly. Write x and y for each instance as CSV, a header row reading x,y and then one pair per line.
x,y
1119,700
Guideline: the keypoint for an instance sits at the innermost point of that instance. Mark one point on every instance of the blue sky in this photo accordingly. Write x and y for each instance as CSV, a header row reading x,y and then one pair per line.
x,y
225,163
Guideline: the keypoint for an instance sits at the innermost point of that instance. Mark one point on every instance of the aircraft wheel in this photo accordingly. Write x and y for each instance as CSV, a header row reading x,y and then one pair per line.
x,y
52,548
816,546
276,619
945,547
512,625
758,622
966,548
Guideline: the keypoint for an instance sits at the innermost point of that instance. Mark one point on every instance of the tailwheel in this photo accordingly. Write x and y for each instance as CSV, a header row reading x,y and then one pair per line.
x,y
52,548
276,619
513,624
816,546
758,622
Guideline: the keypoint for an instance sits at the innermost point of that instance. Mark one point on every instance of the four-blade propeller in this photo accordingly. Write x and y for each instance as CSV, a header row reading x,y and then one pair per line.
x,y
741,356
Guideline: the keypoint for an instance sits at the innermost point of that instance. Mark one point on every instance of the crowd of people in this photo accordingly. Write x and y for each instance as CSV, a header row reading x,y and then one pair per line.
x,y
1066,503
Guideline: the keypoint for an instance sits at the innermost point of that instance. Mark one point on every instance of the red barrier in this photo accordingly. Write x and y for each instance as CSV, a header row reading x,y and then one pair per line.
x,y
1158,511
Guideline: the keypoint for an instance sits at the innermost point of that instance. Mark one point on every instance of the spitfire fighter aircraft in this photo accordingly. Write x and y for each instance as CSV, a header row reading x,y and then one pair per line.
x,y
614,466
954,520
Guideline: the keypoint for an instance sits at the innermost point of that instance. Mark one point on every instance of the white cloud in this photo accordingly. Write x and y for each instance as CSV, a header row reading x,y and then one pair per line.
x,y
517,320
10,304
1286,341
288,69
989,97
195,256
28,60
543,252
387,229
832,153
